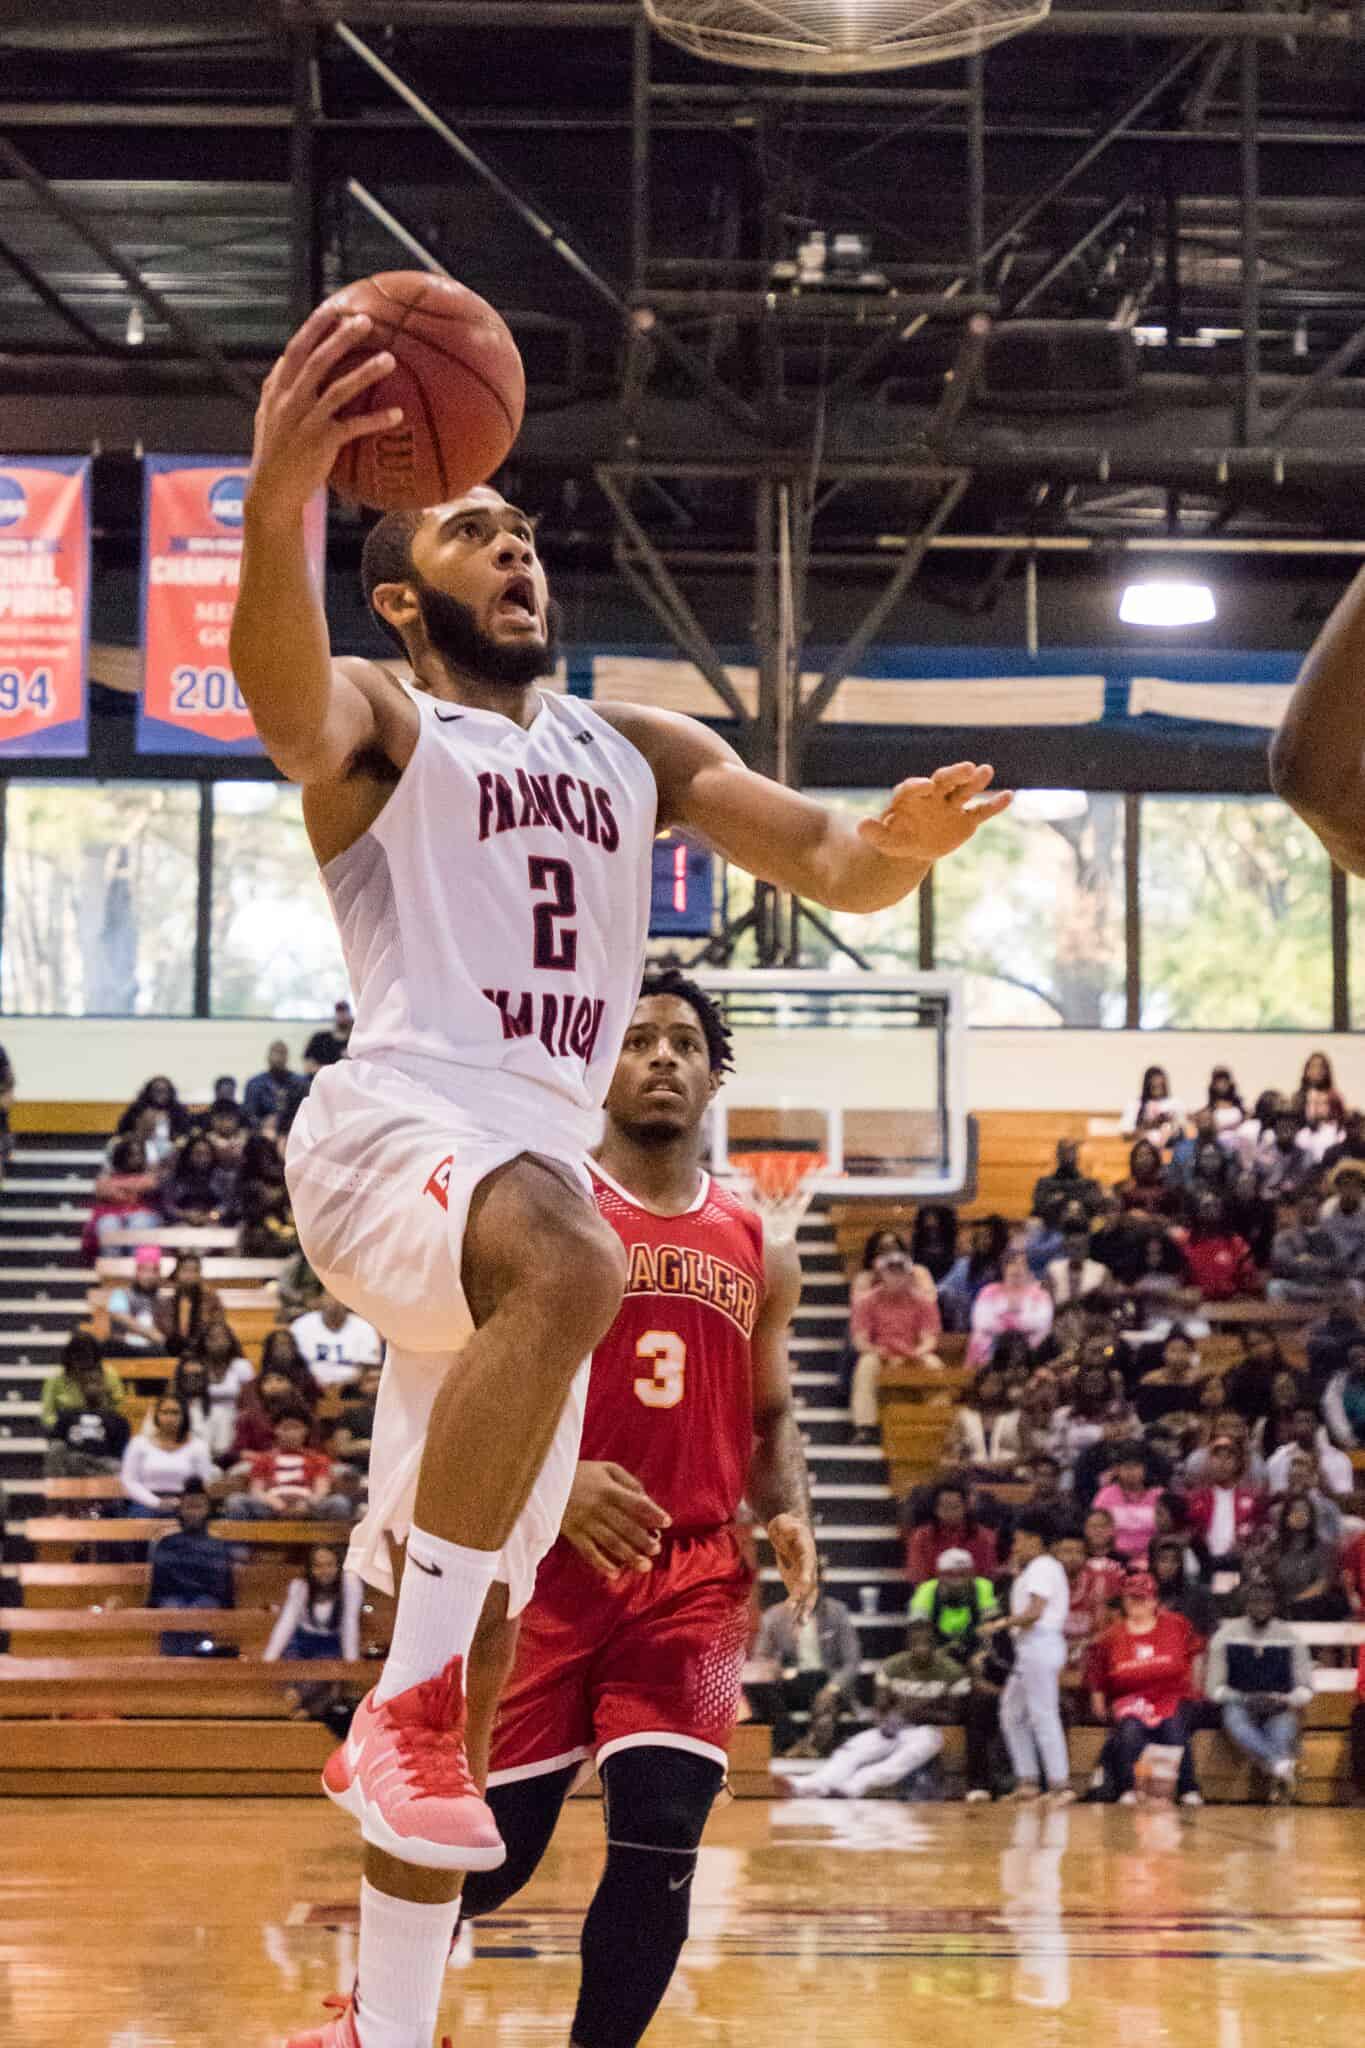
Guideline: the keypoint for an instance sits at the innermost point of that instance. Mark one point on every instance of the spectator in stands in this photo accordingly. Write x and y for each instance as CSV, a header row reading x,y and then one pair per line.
x,y
811,1665
127,1197
186,1305
933,1239
979,1266
227,1131
951,1526
267,1218
190,1386
1104,1569
1272,1428
1343,1401
1250,1213
261,1405
279,1353
1351,1146
1227,1514
1306,1434
1014,1302
1328,1343
87,1437
190,1568
1305,1265
1250,1381
880,1244
1119,1241
299,1289
1173,1387
1156,1115
985,1428
1217,1261
1283,1167
1176,1590
1185,1151
1225,1103
196,1190
917,1692
1197,1470
1343,1214
1317,1079
276,1090
1130,1498
173,1120
227,1375
335,1344
1141,1678
1085,1619
290,1482
353,1431
1076,1274
1321,1129
1302,1567
959,1604
157,1468
1146,1192
1066,1188
1030,1707
326,1047
1305,1482
131,1308
1261,1675
68,1386
320,1619
1249,1136
1080,1422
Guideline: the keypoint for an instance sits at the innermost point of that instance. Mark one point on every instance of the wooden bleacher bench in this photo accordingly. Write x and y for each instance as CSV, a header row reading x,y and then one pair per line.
x,y
220,1270
126,1631
145,1688
179,1237
72,1586
62,1533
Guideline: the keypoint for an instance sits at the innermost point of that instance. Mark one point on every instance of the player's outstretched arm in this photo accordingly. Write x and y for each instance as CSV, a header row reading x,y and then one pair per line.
x,y
778,1489
313,716
1317,758
784,837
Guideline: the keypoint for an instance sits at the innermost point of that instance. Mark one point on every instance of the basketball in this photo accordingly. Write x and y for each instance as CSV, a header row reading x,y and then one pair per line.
x,y
458,377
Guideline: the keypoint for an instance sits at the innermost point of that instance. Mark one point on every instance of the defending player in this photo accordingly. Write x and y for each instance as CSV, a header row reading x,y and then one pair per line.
x,y
632,1648
1317,758
486,849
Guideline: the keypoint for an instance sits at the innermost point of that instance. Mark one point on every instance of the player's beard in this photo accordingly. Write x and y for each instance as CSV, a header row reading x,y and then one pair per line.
x,y
455,634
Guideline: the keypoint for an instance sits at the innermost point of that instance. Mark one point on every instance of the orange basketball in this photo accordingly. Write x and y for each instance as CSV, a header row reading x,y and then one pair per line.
x,y
457,376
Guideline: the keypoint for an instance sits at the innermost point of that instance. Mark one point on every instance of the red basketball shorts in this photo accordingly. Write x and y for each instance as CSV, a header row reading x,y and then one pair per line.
x,y
608,1664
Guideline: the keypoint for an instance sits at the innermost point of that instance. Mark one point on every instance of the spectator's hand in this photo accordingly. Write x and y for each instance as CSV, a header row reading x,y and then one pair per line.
x,y
611,1521
793,1543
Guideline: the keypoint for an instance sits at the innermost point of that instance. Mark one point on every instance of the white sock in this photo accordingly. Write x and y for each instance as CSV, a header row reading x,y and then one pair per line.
x,y
403,1951
444,1588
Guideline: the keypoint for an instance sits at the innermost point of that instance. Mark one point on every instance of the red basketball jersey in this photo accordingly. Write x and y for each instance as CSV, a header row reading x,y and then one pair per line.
x,y
670,1393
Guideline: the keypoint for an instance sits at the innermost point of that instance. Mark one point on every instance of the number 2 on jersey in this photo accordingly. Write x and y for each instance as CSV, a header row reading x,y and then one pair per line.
x,y
553,948
665,1350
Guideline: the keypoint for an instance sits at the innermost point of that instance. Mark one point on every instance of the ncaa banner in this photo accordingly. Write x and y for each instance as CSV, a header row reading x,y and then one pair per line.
x,y
44,605
191,564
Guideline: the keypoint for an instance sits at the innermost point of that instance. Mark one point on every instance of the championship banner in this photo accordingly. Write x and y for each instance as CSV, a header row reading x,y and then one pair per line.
x,y
44,605
191,563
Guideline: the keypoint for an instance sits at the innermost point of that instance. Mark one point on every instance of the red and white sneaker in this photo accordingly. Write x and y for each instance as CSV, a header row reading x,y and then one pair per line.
x,y
338,2033
403,1773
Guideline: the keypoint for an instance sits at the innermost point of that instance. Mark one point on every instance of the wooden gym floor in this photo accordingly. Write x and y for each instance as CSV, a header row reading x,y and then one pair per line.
x,y
220,1924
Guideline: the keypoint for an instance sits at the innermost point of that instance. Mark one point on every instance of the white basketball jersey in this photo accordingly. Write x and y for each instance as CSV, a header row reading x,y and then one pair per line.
x,y
494,917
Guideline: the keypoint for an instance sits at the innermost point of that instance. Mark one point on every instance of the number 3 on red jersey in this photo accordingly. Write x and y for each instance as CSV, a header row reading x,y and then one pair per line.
x,y
668,1354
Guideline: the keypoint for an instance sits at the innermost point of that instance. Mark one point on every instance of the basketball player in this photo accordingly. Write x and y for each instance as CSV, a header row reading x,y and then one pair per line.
x,y
486,850
1317,758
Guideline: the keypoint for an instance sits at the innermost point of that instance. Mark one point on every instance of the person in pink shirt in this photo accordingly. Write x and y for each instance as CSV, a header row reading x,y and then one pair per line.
x,y
896,1322
1014,1302
1131,1502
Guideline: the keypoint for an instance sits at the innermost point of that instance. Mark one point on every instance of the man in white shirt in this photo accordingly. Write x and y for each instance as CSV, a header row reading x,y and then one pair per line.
x,y
1307,1435
1030,1706
335,1343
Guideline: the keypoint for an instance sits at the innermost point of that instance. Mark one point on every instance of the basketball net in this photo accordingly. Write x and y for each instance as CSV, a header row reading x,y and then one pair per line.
x,y
781,1187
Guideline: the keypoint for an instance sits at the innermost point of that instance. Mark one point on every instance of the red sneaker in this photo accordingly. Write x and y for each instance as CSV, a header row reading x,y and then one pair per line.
x,y
403,1773
338,2033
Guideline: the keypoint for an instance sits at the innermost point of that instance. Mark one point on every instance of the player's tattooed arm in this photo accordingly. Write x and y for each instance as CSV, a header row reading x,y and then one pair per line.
x,y
778,1489
1317,758
784,837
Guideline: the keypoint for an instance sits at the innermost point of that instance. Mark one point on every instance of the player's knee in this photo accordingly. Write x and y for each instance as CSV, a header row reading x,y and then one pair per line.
x,y
581,1276
659,1798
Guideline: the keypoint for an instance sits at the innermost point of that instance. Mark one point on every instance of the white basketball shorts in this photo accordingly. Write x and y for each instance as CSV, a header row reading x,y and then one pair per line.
x,y
381,1173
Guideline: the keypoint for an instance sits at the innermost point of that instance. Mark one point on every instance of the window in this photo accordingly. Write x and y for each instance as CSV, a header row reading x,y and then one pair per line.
x,y
275,951
100,891
1236,917
1031,911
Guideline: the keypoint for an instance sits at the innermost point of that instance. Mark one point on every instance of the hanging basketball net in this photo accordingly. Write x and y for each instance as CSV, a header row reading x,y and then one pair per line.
x,y
780,1187
838,36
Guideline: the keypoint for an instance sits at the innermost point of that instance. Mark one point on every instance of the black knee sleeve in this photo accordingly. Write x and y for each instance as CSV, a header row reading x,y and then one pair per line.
x,y
526,1811
657,1802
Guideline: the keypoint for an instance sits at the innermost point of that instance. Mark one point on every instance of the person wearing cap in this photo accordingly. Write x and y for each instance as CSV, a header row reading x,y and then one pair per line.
x,y
1030,1706
1261,1675
958,1603
1141,1675
131,1308
1226,1515
918,1691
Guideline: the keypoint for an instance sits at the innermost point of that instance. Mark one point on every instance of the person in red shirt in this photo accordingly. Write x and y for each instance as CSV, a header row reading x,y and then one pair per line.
x,y
1217,1260
289,1482
951,1526
1228,1515
1141,1678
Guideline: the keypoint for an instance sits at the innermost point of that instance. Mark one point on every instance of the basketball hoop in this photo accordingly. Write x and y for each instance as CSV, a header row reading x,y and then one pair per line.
x,y
834,37
781,1187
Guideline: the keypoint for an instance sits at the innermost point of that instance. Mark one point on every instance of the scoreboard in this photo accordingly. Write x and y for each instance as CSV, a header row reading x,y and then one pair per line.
x,y
683,887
